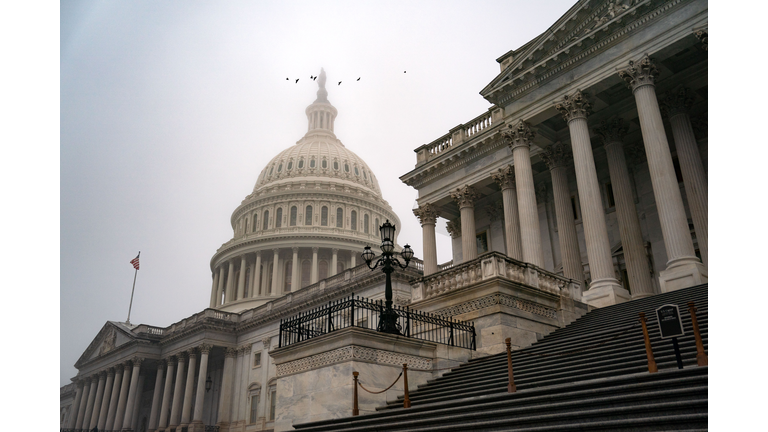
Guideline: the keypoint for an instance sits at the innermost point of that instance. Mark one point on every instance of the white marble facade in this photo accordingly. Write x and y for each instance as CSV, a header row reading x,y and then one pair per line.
x,y
586,181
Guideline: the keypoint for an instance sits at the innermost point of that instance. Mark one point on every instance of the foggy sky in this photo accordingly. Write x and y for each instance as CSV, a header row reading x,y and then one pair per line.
x,y
170,110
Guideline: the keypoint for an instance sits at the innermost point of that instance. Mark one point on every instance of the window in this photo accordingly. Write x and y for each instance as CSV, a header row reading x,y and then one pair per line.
x,y
365,224
609,195
287,276
280,167
254,406
357,172
324,216
339,218
246,226
312,163
301,163
261,285
290,165
308,216
272,401
325,164
247,282
266,220
336,165
257,360
253,229
482,242
279,217
322,270
354,220
365,176
294,210
270,170
270,270
306,268
346,167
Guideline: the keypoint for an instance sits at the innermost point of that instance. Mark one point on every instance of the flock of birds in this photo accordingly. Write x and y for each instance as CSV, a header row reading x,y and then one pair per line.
x,y
315,77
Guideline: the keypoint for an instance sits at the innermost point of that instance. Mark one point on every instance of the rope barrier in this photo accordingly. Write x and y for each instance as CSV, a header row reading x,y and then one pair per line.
x,y
379,392
583,349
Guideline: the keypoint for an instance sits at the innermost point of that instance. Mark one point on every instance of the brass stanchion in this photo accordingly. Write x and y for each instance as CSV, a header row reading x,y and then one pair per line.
x,y
355,410
406,398
648,350
511,388
701,356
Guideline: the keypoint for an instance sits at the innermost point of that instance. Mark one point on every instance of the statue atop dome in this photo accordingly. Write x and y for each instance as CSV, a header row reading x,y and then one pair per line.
x,y
322,93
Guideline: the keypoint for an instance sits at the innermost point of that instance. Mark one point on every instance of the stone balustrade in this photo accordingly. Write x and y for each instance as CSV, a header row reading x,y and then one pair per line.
x,y
458,135
493,265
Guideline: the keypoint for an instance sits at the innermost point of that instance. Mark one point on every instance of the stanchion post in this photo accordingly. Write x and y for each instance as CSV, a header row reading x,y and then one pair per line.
x,y
648,350
355,410
701,356
511,388
406,398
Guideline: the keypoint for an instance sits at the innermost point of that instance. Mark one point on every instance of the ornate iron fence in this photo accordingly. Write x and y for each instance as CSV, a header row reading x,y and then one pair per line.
x,y
364,313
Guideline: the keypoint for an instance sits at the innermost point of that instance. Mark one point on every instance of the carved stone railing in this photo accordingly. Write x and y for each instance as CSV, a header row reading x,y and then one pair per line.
x,y
445,266
458,135
488,266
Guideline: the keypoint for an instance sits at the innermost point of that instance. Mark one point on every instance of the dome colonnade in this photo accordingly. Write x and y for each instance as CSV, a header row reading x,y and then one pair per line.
x,y
314,207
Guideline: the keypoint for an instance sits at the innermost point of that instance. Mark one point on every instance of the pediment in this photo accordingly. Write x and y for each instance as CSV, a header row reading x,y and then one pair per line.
x,y
110,337
576,32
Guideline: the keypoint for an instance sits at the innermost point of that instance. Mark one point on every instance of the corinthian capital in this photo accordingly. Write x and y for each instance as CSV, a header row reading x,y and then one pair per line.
x,y
574,106
464,196
505,177
426,214
520,135
454,227
612,130
205,348
639,74
702,35
557,155
677,102
230,352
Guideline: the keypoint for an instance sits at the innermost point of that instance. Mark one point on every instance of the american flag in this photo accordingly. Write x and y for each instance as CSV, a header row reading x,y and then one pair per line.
x,y
135,262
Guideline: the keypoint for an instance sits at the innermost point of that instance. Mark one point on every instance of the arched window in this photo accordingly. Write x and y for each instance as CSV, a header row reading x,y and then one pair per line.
x,y
287,276
266,220
247,282
322,270
279,217
339,218
290,166
308,216
312,163
246,226
325,164
261,275
365,224
254,225
301,163
336,165
269,279
353,217
324,216
306,269
346,168
294,210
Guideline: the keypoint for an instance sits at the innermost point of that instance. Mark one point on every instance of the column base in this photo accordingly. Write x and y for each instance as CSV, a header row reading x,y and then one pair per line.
x,y
223,426
605,292
682,275
196,426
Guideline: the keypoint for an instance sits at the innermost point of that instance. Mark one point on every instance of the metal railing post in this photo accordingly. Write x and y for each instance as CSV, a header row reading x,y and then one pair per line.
x,y
648,349
355,410
511,388
406,398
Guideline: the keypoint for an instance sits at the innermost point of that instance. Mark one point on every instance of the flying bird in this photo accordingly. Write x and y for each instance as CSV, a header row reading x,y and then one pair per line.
x,y
358,79
403,71
287,79
297,80
313,79
339,83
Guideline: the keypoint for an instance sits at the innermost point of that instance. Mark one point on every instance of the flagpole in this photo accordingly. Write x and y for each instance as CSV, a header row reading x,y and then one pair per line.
x,y
135,273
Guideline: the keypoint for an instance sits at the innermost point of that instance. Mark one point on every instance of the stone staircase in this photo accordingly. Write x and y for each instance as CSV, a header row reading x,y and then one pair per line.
x,y
594,388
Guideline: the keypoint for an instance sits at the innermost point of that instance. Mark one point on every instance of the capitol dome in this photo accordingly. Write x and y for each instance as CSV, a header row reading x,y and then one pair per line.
x,y
313,209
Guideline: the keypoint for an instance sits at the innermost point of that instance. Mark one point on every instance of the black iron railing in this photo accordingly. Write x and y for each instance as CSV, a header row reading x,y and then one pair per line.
x,y
361,312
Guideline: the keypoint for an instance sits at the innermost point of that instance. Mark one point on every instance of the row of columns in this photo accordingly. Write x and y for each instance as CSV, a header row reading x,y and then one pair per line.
x,y
226,272
108,399
522,234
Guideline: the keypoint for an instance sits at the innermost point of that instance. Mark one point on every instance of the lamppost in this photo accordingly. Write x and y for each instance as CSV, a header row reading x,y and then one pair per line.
x,y
388,320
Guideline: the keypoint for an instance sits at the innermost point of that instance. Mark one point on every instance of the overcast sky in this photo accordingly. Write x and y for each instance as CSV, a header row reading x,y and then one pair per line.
x,y
170,110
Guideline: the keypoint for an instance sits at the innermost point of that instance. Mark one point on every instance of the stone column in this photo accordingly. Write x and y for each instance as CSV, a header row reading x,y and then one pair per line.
x,y
558,158
97,401
89,402
220,289
334,262
137,402
123,399
83,403
226,388
131,402
352,258
505,177
428,218
197,417
295,282
104,409
214,287
229,294
242,409
605,289
234,415
241,279
186,410
275,271
113,398
632,243
76,404
519,139
163,422
683,268
257,276
313,276
465,199
677,106
178,393
156,396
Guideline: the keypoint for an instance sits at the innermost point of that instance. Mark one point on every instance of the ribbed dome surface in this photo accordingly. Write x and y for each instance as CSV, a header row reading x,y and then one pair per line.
x,y
318,155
